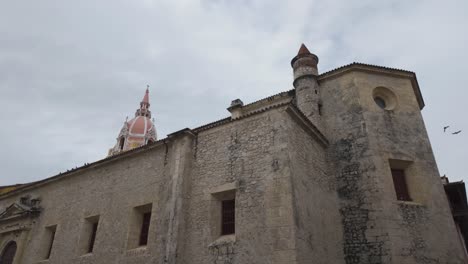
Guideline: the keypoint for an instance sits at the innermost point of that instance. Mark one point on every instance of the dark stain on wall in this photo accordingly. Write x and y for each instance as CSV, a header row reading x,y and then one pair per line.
x,y
414,217
354,190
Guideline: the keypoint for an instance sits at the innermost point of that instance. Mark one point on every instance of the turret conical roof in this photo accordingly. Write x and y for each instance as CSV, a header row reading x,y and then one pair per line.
x,y
303,50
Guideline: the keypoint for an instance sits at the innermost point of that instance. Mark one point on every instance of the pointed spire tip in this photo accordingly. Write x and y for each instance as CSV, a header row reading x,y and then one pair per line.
x,y
303,50
146,97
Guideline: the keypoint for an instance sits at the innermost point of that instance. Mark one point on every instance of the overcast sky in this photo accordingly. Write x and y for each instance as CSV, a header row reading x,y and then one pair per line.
x,y
71,71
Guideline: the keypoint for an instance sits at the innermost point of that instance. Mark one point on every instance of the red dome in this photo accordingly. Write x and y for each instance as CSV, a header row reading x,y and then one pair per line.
x,y
140,126
138,131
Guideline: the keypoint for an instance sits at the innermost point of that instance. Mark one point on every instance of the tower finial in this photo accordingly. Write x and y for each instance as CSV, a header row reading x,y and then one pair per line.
x,y
303,50
144,105
146,97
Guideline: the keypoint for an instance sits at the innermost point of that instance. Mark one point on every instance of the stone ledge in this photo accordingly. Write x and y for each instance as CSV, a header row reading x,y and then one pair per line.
x,y
87,255
409,203
231,186
136,251
223,241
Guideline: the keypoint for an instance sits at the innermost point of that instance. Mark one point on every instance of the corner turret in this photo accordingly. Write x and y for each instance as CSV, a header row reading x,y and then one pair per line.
x,y
305,70
304,64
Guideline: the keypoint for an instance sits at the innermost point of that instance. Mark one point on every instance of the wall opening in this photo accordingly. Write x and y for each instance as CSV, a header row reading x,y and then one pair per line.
x,y
384,98
380,102
48,244
140,223
223,212
399,182
121,143
88,234
400,172
8,253
143,240
228,217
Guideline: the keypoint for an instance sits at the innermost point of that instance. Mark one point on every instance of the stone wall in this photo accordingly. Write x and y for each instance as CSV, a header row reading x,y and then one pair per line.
x,y
365,240
365,139
315,202
182,180
422,230
111,191
300,198
248,157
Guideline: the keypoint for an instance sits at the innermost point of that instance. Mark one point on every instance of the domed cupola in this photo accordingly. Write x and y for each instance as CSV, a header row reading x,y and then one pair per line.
x,y
137,132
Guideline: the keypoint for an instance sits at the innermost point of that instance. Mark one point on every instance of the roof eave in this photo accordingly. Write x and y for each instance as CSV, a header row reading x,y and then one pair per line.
x,y
61,175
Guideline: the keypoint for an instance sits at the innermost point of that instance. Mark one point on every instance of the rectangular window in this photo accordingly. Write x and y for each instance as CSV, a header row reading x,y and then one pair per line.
x,y
399,181
50,236
222,210
139,229
93,237
228,217
88,234
144,229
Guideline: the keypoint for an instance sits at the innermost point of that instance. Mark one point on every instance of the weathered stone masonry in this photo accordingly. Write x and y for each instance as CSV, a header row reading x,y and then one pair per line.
x,y
309,170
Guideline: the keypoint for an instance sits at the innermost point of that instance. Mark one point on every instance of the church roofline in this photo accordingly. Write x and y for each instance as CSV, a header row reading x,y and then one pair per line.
x,y
305,122
155,144
230,120
8,188
356,66
12,185
69,173
272,97
311,127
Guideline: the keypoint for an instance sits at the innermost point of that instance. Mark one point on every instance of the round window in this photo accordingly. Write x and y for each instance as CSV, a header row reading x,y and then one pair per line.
x,y
380,102
384,98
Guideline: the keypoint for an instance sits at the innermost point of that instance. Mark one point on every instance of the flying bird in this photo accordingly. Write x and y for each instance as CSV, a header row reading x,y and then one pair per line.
x,y
445,128
458,132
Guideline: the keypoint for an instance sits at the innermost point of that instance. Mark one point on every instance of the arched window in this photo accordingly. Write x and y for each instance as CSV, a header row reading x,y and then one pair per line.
x,y
8,253
122,143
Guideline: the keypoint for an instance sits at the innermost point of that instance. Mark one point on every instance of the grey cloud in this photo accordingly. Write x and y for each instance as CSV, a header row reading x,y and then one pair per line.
x,y
71,71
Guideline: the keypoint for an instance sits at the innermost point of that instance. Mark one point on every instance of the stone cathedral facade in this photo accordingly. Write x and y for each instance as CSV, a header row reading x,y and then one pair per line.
x,y
337,170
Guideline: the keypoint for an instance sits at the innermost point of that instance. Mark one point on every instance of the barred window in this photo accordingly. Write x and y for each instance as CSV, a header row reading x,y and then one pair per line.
x,y
228,217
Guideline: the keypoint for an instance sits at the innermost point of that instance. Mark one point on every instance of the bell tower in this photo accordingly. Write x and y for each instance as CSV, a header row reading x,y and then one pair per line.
x,y
144,105
137,132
